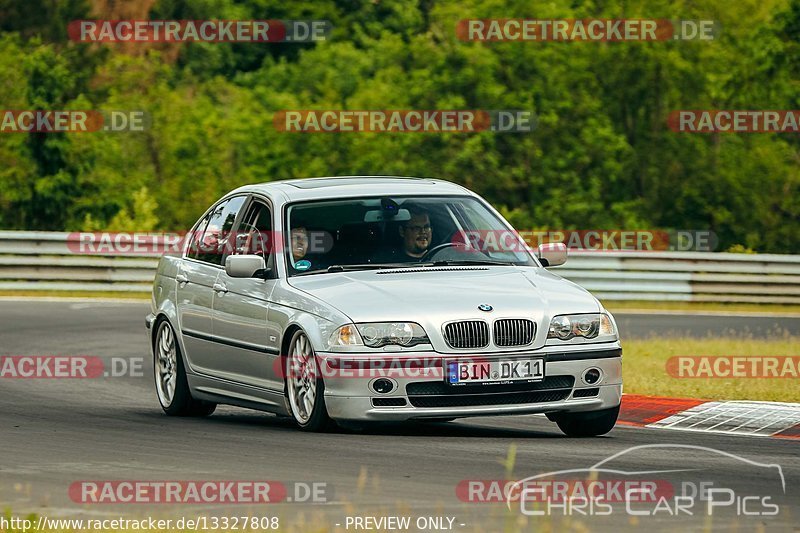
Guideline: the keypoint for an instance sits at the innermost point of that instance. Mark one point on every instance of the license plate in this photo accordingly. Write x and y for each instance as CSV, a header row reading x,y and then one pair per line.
x,y
462,371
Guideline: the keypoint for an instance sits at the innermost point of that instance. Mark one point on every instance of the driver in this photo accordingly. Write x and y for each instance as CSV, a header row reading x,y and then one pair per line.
x,y
416,234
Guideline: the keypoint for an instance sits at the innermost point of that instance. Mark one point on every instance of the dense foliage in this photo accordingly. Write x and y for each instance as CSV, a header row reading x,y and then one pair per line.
x,y
602,155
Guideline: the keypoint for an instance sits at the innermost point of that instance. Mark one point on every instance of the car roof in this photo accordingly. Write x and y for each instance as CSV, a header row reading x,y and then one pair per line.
x,y
352,186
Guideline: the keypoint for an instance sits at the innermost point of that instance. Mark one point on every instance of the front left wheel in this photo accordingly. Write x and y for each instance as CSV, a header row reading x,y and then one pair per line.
x,y
304,386
172,386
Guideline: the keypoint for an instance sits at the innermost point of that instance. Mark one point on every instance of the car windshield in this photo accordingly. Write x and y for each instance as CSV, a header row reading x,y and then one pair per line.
x,y
371,233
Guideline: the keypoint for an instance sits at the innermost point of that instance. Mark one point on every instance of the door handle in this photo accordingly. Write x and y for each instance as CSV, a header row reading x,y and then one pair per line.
x,y
181,278
219,287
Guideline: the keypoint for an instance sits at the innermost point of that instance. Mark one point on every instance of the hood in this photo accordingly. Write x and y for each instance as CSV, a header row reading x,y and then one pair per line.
x,y
436,295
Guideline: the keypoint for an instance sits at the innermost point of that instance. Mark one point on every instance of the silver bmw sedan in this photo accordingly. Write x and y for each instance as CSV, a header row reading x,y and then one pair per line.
x,y
357,299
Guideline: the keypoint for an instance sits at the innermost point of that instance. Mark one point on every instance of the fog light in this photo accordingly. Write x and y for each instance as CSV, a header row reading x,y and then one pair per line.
x,y
382,386
592,376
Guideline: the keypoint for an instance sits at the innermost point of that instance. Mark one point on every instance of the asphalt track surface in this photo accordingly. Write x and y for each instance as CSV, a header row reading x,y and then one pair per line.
x,y
56,432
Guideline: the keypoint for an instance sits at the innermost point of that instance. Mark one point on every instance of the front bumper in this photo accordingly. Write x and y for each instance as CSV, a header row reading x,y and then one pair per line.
x,y
424,393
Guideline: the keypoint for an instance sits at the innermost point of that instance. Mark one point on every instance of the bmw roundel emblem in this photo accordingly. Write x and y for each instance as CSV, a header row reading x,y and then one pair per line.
x,y
485,307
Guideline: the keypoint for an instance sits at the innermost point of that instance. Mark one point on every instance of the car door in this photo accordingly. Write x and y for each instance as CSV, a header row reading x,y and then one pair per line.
x,y
196,278
248,342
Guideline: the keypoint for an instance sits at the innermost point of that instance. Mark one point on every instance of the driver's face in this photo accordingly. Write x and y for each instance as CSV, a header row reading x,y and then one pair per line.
x,y
417,235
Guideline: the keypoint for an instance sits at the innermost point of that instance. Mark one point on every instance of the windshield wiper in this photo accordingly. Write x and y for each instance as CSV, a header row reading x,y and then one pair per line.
x,y
467,262
369,266
381,266
357,267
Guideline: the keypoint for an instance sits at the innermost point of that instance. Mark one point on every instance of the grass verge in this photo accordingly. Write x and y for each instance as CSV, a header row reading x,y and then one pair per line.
x,y
644,369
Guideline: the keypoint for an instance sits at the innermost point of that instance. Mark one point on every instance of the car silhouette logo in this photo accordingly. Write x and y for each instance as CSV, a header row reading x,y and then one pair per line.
x,y
485,307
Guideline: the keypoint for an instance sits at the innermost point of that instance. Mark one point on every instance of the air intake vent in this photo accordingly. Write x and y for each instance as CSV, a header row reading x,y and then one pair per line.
x,y
467,334
469,400
514,332
388,402
440,388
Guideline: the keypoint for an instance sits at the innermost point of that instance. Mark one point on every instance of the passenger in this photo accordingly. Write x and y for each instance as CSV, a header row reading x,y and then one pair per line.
x,y
299,243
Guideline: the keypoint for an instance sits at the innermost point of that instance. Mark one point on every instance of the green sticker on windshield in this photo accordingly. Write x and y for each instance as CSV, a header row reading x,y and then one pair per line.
x,y
303,264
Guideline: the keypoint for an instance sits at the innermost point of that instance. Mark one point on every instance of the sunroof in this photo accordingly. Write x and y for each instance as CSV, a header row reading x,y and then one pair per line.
x,y
316,183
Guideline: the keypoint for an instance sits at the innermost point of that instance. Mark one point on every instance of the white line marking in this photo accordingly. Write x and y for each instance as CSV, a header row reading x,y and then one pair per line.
x,y
734,417
677,418
752,422
751,414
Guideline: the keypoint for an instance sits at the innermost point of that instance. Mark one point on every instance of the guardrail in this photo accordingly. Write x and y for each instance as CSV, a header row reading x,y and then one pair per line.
x,y
686,276
47,261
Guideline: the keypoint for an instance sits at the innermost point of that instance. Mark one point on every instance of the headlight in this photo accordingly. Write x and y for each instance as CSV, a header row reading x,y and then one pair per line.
x,y
378,334
588,326
346,335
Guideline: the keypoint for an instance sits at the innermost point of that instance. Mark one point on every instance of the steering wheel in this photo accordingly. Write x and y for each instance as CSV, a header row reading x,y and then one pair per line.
x,y
433,251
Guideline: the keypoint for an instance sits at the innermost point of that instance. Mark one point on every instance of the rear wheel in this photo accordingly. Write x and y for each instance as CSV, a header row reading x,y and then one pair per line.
x,y
304,386
588,424
172,387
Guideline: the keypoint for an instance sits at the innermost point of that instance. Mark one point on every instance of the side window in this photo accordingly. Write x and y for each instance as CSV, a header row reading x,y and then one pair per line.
x,y
215,240
254,235
196,237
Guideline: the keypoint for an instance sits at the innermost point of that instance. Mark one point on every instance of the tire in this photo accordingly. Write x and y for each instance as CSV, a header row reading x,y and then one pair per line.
x,y
305,390
588,424
172,387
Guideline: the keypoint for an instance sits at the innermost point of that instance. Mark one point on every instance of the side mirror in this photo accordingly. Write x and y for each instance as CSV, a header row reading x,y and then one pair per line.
x,y
552,254
245,266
